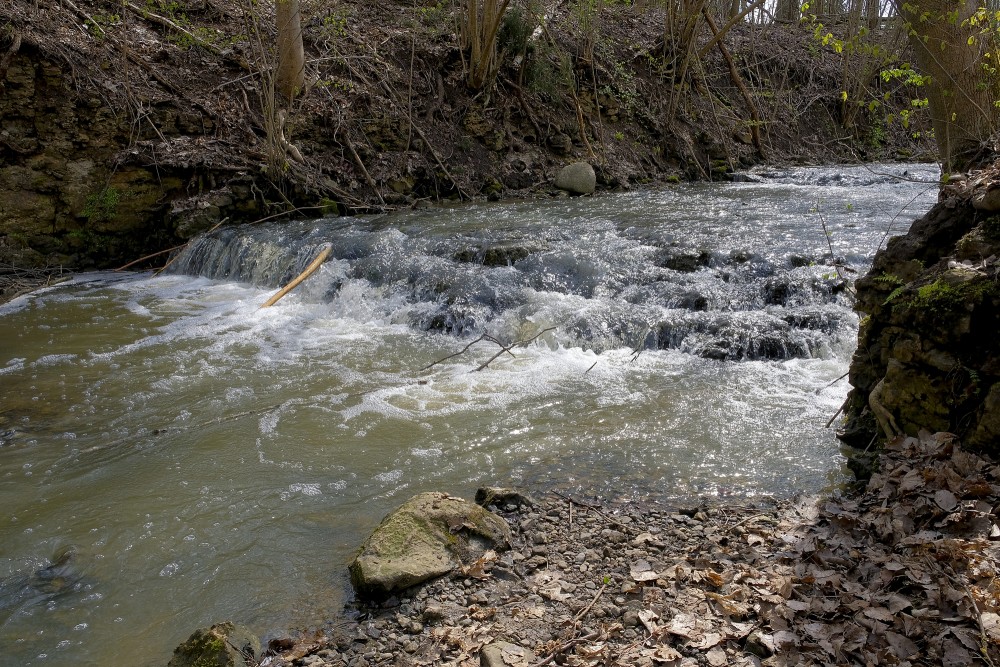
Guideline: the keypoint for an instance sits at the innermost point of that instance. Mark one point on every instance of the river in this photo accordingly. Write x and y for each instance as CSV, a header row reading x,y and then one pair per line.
x,y
171,455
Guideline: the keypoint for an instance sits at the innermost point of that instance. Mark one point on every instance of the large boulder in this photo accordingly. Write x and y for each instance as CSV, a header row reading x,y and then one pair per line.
x,y
927,356
222,645
577,178
428,536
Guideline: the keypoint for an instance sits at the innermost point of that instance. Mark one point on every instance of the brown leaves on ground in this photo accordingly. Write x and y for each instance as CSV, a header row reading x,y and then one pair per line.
x,y
905,573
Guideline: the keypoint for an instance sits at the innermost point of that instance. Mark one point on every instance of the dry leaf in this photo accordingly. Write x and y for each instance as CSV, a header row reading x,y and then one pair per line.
x,y
648,618
946,500
642,571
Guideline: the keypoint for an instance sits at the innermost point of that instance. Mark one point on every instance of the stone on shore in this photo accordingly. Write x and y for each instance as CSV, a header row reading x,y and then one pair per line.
x,y
502,496
504,654
222,645
428,536
577,178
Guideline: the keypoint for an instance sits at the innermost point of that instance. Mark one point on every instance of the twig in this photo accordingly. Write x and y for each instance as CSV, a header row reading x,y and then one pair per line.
x,y
167,23
360,165
520,343
983,636
592,602
174,258
434,153
835,415
827,386
155,254
565,647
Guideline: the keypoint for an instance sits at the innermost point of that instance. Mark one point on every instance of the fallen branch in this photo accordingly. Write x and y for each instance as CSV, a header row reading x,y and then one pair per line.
x,y
361,165
143,259
503,349
302,276
564,648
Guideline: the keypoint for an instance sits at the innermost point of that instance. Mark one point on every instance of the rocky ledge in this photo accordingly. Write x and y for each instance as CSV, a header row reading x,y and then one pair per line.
x,y
903,572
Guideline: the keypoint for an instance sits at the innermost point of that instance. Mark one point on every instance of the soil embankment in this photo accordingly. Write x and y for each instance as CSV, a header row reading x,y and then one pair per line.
x,y
128,129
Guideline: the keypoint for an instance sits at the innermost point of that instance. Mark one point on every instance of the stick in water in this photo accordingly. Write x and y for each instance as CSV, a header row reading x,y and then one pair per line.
x,y
302,276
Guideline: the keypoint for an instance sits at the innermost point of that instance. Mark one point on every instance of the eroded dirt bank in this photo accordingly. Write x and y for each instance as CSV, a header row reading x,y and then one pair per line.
x,y
128,128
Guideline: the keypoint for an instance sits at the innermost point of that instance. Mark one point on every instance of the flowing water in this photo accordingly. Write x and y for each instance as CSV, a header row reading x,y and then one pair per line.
x,y
171,455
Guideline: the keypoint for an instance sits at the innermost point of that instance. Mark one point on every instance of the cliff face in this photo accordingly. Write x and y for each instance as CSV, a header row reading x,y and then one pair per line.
x,y
63,198
928,351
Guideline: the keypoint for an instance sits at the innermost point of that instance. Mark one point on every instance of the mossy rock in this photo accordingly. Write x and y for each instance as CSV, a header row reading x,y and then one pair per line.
x,y
428,536
222,645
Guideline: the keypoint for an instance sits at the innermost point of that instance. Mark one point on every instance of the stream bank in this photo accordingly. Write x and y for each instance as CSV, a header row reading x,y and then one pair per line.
x,y
902,572
122,136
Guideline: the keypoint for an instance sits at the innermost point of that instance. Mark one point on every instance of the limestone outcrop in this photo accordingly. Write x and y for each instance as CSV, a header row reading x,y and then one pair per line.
x,y
428,536
927,354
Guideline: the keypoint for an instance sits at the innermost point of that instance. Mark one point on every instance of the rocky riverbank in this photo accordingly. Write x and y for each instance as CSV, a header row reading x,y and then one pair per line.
x,y
902,572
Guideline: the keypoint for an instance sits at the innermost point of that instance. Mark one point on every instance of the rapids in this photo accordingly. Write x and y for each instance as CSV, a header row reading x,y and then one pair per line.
x,y
203,459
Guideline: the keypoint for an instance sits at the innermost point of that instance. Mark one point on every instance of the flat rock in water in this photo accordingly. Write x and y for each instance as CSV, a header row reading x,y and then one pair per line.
x,y
577,178
428,536
222,645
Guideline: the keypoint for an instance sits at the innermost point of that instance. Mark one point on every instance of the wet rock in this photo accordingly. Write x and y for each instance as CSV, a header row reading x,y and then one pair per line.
x,y
502,496
684,261
577,178
221,645
428,536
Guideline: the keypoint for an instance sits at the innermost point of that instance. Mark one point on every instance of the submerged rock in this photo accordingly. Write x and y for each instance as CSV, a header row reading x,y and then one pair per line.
x,y
428,536
222,645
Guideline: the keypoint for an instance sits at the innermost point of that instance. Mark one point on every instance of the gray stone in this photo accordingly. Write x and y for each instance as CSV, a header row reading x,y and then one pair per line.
x,y
987,201
577,178
428,536
492,655
222,645
501,496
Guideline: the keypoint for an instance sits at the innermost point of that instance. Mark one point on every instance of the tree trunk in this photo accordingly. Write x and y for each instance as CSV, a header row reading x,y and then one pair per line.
x,y
960,93
290,75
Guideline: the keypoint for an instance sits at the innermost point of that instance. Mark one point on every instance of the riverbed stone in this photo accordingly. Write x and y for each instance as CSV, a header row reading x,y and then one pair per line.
x,y
428,536
577,178
221,645
503,654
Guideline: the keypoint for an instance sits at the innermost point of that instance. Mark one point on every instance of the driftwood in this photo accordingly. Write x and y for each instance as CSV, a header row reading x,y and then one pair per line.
x,y
320,258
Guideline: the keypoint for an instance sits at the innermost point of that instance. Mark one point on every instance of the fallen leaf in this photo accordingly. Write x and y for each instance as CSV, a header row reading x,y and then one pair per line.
x,y
879,614
642,571
717,657
902,646
648,618
946,500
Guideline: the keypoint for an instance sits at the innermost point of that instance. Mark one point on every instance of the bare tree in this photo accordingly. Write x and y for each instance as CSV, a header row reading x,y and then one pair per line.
x,y
482,22
289,76
962,94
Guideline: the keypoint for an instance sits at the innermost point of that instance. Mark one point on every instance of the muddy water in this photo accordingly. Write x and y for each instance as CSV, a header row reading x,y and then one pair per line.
x,y
207,460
